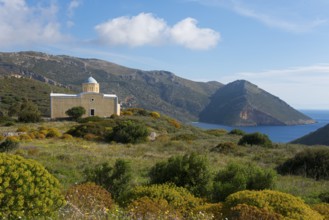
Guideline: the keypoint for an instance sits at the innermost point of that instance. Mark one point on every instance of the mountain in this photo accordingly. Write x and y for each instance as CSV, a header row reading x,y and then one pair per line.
x,y
318,137
160,91
242,103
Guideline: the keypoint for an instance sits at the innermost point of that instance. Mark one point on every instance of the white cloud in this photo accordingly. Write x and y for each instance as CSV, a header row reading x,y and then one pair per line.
x,y
186,33
24,25
146,29
139,30
302,87
73,5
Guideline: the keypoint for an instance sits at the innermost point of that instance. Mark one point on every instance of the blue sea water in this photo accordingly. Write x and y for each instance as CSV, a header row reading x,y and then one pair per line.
x,y
280,134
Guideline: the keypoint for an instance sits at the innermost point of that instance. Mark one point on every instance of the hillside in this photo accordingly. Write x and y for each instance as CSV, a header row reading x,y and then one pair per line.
x,y
155,90
318,137
15,90
242,103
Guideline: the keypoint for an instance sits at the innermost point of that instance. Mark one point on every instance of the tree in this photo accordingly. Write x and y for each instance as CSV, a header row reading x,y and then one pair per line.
x,y
129,132
76,112
28,190
255,139
236,177
26,111
189,171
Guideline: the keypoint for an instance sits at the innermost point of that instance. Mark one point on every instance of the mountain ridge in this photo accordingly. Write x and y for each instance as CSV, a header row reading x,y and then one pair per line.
x,y
157,90
241,103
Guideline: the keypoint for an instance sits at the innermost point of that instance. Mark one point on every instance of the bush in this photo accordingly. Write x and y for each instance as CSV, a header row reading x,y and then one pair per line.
x,y
237,132
27,189
255,139
8,145
312,162
147,208
178,198
155,115
76,112
29,116
324,197
226,147
129,132
272,204
323,209
116,179
88,128
88,200
53,133
174,123
236,177
189,171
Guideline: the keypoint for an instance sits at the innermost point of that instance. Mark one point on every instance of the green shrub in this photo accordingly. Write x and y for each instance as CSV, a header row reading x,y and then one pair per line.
x,y
178,198
255,139
27,189
67,137
129,132
236,177
324,197
189,171
117,179
312,162
76,112
184,137
87,200
90,119
237,132
276,205
22,129
27,112
88,128
8,145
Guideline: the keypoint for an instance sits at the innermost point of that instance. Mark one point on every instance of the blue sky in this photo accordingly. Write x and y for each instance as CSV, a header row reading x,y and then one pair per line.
x,y
281,46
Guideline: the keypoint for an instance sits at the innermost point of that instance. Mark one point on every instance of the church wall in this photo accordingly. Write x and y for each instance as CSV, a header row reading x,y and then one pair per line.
x,y
103,106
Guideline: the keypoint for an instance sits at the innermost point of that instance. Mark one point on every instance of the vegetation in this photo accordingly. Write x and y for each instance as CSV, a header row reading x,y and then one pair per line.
x,y
313,163
122,169
129,132
8,145
87,200
76,112
190,171
237,176
255,139
27,189
318,137
269,204
117,179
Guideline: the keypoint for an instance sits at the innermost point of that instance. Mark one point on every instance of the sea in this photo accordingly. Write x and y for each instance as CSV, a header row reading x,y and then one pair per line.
x,y
279,134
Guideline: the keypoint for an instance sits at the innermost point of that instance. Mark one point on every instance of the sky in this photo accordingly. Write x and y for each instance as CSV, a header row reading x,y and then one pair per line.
x,y
281,46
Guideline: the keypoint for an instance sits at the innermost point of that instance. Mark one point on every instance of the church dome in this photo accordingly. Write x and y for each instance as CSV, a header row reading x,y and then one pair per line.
x,y
91,80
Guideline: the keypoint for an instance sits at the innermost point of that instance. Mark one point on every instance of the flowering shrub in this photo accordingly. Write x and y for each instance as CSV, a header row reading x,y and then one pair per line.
x,y
268,203
323,209
178,198
87,199
148,208
27,190
155,115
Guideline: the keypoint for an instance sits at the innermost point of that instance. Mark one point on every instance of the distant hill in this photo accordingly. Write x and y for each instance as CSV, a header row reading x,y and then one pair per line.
x,y
13,90
160,91
242,103
318,137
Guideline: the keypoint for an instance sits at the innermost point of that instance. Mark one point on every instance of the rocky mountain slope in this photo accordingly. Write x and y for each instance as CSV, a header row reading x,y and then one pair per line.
x,y
242,103
154,90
